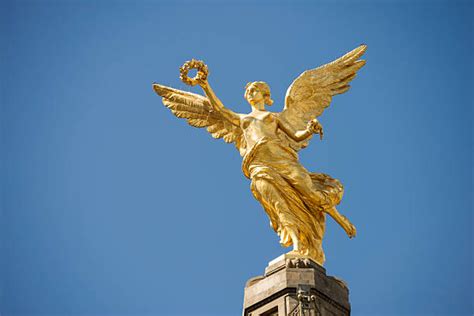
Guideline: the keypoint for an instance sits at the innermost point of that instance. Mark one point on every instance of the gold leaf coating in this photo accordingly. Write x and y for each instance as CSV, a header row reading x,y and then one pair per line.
x,y
295,199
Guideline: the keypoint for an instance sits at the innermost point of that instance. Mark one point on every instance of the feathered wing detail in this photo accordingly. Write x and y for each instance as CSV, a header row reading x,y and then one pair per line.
x,y
312,91
198,112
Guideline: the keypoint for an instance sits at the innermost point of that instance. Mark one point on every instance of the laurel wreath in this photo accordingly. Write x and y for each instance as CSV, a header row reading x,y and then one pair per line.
x,y
201,75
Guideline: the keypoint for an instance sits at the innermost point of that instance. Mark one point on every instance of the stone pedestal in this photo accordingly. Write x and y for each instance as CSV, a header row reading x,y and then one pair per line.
x,y
294,285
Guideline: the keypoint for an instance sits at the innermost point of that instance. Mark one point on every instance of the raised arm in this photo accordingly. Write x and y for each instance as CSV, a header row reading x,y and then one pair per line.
x,y
313,127
233,117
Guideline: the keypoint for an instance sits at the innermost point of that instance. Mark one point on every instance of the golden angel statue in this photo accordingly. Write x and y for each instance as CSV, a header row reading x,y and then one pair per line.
x,y
295,199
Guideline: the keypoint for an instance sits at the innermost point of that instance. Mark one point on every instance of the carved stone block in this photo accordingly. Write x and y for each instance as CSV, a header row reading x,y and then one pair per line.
x,y
295,285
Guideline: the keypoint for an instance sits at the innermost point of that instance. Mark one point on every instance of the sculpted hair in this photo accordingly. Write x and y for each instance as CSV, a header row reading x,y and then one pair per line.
x,y
264,89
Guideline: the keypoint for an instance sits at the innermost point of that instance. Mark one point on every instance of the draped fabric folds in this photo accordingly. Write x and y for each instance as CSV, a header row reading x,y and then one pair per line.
x,y
293,197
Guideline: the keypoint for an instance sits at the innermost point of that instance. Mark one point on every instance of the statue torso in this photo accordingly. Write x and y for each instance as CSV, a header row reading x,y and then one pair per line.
x,y
257,125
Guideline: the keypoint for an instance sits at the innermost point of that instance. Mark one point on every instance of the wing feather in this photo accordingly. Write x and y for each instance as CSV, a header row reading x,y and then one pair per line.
x,y
311,93
198,112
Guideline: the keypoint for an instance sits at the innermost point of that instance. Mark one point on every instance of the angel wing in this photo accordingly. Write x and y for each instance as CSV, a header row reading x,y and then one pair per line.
x,y
312,91
198,111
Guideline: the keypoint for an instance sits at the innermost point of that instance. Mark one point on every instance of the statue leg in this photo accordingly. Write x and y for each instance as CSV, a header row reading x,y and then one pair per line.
x,y
316,199
277,210
343,221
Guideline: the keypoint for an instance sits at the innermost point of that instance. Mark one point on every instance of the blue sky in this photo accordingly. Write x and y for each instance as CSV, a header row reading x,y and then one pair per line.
x,y
112,206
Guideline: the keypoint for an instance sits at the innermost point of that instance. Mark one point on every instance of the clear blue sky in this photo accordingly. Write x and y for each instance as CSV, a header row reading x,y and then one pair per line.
x,y
111,205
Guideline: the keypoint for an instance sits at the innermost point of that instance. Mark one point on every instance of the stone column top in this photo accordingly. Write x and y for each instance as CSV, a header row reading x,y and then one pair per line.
x,y
286,274
290,260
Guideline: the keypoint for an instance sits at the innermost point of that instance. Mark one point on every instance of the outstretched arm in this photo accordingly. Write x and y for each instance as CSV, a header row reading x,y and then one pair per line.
x,y
234,118
313,127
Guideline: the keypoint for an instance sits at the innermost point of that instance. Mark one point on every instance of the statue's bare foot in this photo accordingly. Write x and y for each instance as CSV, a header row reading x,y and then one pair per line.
x,y
348,227
296,242
350,230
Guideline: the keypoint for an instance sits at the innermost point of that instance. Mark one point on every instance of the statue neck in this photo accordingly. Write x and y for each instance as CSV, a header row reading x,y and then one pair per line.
x,y
258,107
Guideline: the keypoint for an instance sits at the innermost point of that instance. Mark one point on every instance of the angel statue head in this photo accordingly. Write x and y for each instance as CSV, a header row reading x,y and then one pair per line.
x,y
257,93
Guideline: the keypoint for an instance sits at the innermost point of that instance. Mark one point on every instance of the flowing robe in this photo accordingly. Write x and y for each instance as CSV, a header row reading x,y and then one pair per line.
x,y
293,197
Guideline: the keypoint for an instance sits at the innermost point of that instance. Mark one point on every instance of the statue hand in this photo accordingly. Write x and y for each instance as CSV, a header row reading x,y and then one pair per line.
x,y
201,80
315,127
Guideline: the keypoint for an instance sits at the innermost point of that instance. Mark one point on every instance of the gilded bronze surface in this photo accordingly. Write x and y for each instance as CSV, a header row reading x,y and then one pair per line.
x,y
295,199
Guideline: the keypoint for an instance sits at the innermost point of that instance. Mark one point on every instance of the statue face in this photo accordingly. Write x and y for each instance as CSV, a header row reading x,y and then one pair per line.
x,y
254,96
